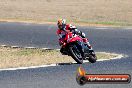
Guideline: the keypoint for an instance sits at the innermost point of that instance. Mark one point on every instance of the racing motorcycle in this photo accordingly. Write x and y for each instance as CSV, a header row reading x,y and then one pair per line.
x,y
76,47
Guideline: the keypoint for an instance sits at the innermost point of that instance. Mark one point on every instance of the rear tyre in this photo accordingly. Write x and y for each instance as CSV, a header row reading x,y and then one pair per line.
x,y
92,58
76,54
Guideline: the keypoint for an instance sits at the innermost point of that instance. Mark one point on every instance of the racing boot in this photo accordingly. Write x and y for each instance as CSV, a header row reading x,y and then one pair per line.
x,y
86,42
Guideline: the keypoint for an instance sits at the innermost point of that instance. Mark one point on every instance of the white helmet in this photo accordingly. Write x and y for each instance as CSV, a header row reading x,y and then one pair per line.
x,y
61,23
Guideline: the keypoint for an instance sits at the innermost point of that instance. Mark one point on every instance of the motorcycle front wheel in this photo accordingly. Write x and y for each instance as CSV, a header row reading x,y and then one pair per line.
x,y
76,54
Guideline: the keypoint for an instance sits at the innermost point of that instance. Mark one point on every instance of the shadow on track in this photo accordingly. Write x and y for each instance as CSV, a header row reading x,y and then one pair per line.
x,y
69,63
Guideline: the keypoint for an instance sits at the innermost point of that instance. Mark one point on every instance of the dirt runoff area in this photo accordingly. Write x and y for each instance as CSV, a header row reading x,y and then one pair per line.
x,y
89,12
20,57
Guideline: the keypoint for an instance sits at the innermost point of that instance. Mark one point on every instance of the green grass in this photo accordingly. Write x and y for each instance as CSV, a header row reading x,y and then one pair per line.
x,y
74,21
87,22
114,23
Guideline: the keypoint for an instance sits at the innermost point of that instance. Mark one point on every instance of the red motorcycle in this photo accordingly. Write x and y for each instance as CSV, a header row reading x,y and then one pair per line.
x,y
75,47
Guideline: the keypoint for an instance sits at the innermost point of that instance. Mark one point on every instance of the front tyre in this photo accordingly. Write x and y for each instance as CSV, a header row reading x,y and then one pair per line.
x,y
76,54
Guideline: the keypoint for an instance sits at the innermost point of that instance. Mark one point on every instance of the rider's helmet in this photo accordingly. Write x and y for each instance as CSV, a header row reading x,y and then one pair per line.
x,y
61,24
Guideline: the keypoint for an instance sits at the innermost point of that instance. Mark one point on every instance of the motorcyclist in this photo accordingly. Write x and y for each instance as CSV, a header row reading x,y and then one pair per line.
x,y
63,28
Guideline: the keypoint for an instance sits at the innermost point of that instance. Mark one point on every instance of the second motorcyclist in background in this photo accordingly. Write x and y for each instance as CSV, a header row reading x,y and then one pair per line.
x,y
63,28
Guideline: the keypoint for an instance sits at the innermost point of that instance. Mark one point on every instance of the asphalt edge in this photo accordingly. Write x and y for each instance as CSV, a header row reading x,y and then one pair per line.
x,y
49,65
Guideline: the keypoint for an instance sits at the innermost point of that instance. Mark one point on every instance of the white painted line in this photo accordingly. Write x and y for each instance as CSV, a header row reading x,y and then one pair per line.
x,y
57,49
30,47
102,59
44,48
4,45
15,47
118,57
85,61
48,49
31,67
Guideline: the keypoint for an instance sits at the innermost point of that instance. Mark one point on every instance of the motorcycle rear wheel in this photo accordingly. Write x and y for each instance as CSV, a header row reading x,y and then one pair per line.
x,y
92,58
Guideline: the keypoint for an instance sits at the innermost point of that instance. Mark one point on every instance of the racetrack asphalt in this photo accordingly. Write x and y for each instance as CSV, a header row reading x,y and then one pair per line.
x,y
106,39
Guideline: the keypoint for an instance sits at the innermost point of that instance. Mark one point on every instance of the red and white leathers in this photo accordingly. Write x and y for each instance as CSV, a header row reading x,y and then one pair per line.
x,y
70,28
62,32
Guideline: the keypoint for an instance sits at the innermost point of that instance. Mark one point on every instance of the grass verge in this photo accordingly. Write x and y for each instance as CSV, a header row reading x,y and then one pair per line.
x,y
19,57
75,22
